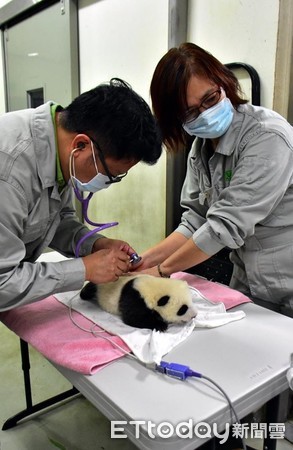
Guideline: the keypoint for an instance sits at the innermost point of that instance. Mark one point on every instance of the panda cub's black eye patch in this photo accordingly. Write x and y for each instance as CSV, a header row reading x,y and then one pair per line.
x,y
181,311
163,300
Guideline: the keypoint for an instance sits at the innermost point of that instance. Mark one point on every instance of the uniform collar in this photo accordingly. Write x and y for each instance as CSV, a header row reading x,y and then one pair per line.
x,y
59,174
43,134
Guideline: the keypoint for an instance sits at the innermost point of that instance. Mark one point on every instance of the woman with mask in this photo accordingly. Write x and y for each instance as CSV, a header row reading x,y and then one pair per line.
x,y
238,190
89,145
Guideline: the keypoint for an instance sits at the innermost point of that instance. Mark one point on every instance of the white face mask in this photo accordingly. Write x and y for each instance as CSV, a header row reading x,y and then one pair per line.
x,y
97,183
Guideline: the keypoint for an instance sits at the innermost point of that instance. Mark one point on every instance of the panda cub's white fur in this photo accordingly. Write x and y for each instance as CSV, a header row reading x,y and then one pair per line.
x,y
144,301
108,295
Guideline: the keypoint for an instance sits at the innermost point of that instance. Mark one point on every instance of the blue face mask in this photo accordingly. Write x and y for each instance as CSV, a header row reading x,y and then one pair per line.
x,y
97,183
213,122
94,185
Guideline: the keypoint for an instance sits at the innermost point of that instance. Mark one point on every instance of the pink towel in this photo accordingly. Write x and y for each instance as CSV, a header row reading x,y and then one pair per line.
x,y
215,292
47,327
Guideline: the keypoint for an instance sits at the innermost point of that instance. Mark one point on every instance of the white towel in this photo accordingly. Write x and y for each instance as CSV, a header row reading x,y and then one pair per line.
x,y
150,346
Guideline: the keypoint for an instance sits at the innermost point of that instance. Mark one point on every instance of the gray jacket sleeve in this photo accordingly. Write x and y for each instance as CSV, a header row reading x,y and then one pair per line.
x,y
194,215
257,195
25,281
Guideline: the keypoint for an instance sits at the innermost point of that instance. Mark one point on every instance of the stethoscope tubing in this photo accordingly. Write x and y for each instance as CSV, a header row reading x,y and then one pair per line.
x,y
99,226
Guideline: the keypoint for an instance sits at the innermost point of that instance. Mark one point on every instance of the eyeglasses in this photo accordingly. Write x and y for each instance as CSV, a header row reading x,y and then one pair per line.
x,y
209,101
112,178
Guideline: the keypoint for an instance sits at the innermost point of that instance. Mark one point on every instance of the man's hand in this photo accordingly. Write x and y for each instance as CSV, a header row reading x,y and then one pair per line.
x,y
106,265
112,244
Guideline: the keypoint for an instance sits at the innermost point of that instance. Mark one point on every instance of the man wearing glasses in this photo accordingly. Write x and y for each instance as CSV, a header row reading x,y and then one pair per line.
x,y
89,145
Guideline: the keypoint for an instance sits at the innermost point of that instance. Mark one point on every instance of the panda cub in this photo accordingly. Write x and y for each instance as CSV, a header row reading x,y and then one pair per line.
x,y
144,301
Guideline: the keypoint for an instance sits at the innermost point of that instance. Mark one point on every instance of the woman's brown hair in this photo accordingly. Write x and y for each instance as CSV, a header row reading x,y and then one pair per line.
x,y
169,86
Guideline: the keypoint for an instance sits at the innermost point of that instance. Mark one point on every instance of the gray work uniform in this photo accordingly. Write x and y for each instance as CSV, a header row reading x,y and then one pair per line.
x,y
241,197
34,214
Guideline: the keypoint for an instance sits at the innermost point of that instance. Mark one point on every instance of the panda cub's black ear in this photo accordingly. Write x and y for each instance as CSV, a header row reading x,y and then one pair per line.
x,y
89,291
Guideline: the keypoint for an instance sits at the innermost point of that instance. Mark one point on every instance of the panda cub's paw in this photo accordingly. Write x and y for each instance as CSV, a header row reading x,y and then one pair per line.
x,y
89,291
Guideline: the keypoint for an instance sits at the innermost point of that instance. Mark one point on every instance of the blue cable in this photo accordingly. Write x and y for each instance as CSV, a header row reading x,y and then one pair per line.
x,y
181,372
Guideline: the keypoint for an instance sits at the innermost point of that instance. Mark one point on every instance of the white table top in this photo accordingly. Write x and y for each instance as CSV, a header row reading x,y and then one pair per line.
x,y
247,358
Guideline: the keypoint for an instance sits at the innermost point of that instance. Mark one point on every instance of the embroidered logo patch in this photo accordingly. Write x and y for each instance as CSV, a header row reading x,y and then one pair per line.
x,y
228,175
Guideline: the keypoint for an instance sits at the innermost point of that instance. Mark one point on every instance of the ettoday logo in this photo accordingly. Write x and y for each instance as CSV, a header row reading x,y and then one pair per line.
x,y
165,430
188,430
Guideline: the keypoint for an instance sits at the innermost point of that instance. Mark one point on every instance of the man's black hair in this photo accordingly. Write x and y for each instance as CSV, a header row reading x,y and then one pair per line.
x,y
118,119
